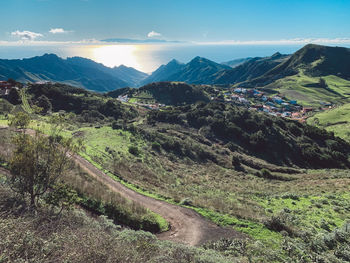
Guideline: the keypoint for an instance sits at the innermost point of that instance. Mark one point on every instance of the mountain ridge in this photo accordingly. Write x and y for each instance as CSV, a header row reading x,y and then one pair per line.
x,y
76,71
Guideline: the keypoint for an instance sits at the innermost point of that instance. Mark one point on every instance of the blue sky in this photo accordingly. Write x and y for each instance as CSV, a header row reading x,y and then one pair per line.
x,y
185,20
220,30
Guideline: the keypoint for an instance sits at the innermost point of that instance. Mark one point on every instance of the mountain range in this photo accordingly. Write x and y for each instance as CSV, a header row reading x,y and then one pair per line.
x,y
76,71
204,71
295,76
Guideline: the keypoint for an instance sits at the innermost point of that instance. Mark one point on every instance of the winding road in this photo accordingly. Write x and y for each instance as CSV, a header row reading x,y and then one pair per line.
x,y
186,226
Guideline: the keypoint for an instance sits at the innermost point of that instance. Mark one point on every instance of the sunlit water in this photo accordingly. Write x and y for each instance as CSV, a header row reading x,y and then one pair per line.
x,y
149,57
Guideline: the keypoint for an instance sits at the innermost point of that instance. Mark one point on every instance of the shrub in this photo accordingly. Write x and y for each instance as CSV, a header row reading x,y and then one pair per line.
x,y
236,163
265,173
116,125
186,201
279,223
134,150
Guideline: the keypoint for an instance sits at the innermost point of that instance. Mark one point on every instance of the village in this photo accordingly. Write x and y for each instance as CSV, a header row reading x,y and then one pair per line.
x,y
257,100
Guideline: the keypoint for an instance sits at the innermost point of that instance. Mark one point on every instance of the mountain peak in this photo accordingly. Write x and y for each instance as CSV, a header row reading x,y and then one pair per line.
x,y
49,56
174,62
277,54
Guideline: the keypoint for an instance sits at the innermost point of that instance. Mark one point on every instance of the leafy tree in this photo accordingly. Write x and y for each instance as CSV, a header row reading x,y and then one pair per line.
x,y
62,196
38,161
20,120
44,103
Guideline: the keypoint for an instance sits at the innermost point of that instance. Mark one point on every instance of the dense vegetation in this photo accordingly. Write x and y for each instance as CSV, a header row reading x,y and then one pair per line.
x,y
90,106
169,93
276,140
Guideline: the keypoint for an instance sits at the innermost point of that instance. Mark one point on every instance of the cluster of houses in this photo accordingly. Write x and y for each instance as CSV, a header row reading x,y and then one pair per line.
x,y
257,100
5,88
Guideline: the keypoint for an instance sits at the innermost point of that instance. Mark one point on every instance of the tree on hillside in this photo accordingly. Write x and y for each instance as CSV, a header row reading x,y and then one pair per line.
x,y
20,120
44,103
38,161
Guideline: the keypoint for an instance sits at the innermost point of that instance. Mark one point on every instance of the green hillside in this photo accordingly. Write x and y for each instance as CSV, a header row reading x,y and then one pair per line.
x,y
336,120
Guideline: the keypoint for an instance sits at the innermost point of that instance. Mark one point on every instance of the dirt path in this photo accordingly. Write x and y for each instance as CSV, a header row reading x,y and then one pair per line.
x,y
186,226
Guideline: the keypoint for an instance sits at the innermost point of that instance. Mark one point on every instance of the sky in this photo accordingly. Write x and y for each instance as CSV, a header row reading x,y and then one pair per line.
x,y
72,24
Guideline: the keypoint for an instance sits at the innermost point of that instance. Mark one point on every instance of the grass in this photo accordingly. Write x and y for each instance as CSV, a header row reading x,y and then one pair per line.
x,y
24,98
336,120
255,230
314,212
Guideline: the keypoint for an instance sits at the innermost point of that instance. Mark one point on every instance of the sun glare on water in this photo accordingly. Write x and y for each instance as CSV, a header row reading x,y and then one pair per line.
x,y
115,55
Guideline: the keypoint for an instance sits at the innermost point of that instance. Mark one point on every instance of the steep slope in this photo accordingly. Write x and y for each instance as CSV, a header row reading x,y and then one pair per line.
x,y
198,71
164,72
312,60
75,71
250,69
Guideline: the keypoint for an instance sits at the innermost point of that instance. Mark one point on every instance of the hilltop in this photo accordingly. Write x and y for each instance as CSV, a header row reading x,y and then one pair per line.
x,y
164,72
168,93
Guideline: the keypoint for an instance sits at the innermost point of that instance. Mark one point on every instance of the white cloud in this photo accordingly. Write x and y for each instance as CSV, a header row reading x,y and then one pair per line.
x,y
51,43
57,31
26,35
154,34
